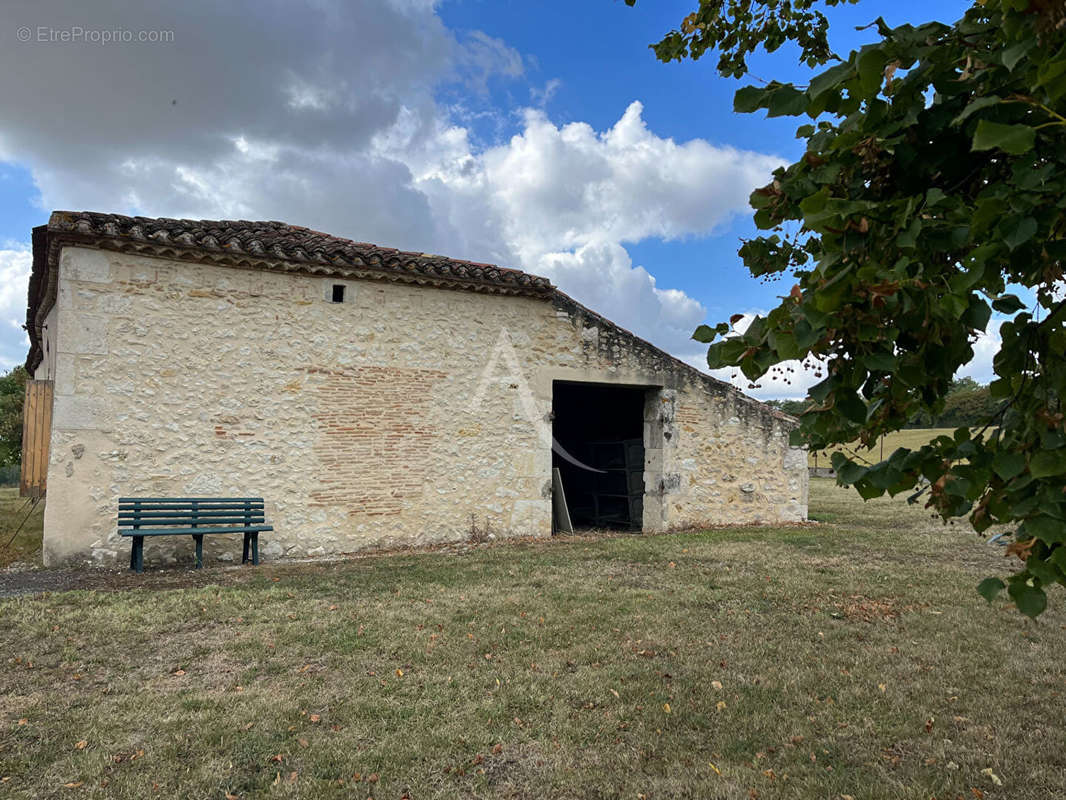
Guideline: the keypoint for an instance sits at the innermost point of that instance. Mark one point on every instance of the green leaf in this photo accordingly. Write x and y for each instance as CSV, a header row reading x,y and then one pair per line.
x,y
1020,232
1008,465
1045,570
990,587
1030,600
1013,139
748,99
1058,558
1046,529
832,77
976,105
1048,463
882,362
848,472
1012,55
977,314
705,334
871,64
867,491
787,102
851,406
1007,304
955,305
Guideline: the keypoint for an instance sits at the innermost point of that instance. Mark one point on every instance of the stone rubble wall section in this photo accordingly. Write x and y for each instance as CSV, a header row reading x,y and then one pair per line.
x,y
368,423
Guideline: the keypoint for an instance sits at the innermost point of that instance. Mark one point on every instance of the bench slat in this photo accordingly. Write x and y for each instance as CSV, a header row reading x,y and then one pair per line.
x,y
190,499
212,522
192,531
236,511
189,509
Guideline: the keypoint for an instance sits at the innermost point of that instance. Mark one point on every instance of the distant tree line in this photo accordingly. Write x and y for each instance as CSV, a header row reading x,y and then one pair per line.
x,y
12,392
967,404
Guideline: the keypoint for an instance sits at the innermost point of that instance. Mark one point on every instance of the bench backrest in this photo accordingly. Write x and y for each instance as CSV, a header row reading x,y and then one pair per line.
x,y
138,512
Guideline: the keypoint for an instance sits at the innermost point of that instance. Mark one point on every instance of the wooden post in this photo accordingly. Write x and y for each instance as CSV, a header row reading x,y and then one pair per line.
x,y
560,511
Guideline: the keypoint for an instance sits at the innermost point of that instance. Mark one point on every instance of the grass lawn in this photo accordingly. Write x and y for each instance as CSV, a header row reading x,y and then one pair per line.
x,y
910,438
852,658
26,545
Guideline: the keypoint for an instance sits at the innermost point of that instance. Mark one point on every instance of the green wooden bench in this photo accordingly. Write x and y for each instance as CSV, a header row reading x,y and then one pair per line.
x,y
191,516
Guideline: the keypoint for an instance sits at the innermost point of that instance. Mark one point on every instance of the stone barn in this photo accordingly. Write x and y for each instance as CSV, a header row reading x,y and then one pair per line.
x,y
373,397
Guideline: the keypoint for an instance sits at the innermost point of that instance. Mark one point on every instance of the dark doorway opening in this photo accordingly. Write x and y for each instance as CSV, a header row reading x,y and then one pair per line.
x,y
602,427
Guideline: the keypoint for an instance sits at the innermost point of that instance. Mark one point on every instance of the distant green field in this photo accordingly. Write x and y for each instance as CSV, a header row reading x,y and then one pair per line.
x,y
909,438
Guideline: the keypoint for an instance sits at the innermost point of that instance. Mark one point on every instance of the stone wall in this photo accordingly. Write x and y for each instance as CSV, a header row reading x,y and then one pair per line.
x,y
405,415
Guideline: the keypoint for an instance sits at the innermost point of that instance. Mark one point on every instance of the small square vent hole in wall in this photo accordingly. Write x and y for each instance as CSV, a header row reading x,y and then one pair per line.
x,y
338,293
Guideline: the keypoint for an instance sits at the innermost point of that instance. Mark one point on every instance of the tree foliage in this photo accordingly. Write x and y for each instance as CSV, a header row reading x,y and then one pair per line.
x,y
12,392
967,403
928,208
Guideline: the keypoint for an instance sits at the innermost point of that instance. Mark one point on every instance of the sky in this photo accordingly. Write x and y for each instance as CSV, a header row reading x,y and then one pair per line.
x,y
543,136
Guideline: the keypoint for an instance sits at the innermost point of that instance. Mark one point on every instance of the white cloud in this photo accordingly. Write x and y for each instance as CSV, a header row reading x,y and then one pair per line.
x,y
328,116
791,380
984,350
542,96
15,263
562,201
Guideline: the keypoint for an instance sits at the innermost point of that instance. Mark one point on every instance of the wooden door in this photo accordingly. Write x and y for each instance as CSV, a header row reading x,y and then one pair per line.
x,y
36,436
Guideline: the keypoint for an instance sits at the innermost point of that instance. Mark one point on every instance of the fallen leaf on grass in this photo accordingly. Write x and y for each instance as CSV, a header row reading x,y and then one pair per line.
x,y
716,770
497,749
278,758
666,707
720,705
612,691
716,685
81,745
74,785
23,721
992,776
315,718
179,672
232,796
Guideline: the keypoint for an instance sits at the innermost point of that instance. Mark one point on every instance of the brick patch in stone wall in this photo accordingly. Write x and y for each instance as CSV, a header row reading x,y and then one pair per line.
x,y
374,436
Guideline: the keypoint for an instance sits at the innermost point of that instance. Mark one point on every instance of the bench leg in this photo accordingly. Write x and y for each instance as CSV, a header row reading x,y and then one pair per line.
x,y
255,548
137,554
244,554
199,537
